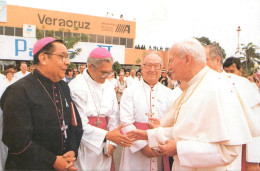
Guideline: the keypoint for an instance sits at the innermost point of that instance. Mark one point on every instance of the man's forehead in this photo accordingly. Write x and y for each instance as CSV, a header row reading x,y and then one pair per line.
x,y
152,58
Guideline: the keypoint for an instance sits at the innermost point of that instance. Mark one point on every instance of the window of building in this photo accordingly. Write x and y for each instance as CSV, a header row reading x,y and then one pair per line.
x,y
59,34
9,31
108,40
92,38
116,40
100,39
49,33
19,32
129,43
67,35
1,30
84,37
122,41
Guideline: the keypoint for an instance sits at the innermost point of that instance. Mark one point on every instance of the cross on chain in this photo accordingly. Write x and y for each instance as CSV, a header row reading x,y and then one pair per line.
x,y
98,122
63,128
150,114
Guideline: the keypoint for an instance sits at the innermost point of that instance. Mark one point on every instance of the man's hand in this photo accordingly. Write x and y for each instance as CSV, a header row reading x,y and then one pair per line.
x,y
153,123
111,149
169,148
148,152
137,134
118,138
70,158
60,163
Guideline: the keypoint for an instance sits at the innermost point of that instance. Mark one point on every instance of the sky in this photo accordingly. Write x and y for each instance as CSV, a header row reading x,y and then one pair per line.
x,y
163,22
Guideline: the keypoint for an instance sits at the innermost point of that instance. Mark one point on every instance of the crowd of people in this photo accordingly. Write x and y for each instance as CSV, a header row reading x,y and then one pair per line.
x,y
201,114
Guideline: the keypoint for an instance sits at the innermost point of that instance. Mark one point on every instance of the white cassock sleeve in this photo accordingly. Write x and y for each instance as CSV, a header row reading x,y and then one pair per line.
x,y
92,137
253,151
196,154
206,155
127,117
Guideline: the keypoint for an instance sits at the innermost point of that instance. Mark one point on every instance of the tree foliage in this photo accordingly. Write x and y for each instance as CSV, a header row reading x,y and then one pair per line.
x,y
205,41
116,67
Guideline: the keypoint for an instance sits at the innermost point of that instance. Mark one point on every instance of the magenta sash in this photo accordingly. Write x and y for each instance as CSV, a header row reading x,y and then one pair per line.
x,y
93,119
144,126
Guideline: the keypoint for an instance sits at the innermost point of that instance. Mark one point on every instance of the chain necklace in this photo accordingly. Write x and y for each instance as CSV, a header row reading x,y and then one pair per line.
x,y
98,122
62,126
150,113
183,102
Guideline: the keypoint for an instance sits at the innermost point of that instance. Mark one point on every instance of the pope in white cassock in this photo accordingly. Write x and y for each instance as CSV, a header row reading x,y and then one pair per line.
x,y
146,99
96,102
206,126
249,98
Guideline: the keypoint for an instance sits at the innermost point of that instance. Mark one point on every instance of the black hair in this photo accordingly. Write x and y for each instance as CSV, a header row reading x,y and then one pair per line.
x,y
47,48
232,60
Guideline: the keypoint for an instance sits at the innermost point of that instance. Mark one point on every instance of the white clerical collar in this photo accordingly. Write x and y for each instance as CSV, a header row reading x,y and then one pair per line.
x,y
198,76
147,85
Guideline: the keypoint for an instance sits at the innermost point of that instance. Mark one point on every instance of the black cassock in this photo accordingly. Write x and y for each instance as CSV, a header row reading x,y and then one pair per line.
x,y
33,122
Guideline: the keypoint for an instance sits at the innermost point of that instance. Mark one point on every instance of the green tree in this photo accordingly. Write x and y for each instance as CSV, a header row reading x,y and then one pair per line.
x,y
249,53
205,41
116,67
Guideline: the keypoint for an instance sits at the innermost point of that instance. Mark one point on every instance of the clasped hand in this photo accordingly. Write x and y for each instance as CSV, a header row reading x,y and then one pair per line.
x,y
65,162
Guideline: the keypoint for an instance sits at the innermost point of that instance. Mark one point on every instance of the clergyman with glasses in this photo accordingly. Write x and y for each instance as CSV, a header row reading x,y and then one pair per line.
x,y
140,105
42,128
96,101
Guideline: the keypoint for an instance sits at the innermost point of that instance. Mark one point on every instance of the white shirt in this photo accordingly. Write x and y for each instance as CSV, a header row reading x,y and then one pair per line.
x,y
134,105
91,99
20,75
131,81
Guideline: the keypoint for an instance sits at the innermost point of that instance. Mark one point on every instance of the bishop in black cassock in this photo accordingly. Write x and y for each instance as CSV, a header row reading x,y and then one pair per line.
x,y
37,123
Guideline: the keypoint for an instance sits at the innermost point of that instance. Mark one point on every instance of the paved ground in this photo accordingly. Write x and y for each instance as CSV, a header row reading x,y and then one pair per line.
x,y
117,156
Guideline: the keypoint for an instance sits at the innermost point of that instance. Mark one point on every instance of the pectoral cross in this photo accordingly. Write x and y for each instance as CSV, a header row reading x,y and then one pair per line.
x,y
150,114
63,128
98,122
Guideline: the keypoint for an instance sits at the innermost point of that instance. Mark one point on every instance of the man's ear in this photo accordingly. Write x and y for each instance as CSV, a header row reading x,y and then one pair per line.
x,y
188,59
43,58
218,58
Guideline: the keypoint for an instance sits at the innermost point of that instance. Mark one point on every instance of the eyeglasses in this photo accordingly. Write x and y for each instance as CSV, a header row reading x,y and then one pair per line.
x,y
64,57
156,66
105,74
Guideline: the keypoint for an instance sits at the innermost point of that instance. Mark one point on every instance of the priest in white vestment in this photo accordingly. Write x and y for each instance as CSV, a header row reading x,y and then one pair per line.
x,y
23,72
207,125
146,99
249,97
97,105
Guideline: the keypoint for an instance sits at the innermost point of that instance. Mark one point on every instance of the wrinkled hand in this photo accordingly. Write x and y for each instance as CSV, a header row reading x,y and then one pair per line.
x,y
70,158
148,152
153,123
111,149
137,134
169,148
118,138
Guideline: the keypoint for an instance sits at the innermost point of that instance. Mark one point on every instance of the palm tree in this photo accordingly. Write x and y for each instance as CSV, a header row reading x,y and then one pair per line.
x,y
248,51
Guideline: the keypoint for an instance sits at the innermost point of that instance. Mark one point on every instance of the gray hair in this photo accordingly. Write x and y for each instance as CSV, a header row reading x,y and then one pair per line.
x,y
214,51
191,47
97,62
153,53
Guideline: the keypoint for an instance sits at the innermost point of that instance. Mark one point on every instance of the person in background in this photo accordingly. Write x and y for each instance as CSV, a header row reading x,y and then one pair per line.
x,y
233,65
69,75
131,80
164,79
247,94
42,128
139,76
113,81
76,72
23,72
121,86
82,68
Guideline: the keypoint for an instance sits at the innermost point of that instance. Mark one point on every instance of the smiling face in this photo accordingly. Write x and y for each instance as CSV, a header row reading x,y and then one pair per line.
x,y
55,68
151,68
101,73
